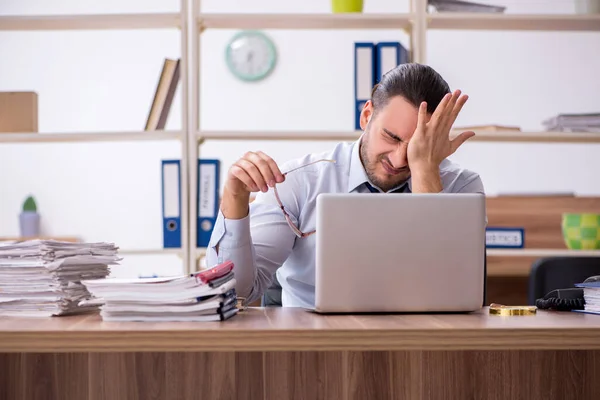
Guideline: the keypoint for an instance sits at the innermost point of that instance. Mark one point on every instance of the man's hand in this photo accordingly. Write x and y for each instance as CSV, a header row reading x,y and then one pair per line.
x,y
431,144
254,172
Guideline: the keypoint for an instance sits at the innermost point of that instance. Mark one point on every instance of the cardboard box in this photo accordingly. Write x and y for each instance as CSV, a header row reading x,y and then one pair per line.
x,y
18,112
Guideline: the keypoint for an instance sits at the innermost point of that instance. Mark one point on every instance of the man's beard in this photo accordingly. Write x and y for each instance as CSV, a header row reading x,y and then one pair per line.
x,y
371,166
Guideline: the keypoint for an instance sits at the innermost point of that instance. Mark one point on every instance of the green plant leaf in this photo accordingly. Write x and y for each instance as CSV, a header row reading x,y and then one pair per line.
x,y
29,205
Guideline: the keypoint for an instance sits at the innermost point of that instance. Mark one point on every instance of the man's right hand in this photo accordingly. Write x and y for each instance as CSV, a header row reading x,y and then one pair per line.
x,y
254,172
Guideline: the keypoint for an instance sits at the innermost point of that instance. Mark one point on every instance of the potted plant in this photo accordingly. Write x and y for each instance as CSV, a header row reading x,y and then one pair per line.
x,y
347,6
29,220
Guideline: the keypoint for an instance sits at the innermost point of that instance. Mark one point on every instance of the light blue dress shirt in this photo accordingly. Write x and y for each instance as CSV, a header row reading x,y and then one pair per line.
x,y
262,244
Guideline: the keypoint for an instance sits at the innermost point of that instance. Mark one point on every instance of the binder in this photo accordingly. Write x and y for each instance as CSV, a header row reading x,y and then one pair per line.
x,y
171,203
207,198
364,77
388,56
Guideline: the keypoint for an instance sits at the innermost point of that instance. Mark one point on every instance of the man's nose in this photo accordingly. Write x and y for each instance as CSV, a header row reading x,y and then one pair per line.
x,y
398,157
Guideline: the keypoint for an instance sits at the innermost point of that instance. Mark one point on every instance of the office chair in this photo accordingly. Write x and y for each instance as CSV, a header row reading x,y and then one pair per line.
x,y
548,274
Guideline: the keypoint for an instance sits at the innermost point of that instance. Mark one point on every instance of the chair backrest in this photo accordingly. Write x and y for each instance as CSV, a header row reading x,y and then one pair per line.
x,y
548,274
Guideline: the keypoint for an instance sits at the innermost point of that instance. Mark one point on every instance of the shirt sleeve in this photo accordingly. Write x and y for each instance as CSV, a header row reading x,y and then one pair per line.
x,y
257,244
472,184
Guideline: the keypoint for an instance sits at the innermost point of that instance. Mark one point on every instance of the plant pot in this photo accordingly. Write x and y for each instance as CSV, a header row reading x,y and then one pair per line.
x,y
581,231
29,223
346,6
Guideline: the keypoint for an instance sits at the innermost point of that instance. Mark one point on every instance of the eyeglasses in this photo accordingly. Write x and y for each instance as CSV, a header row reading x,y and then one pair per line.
x,y
294,228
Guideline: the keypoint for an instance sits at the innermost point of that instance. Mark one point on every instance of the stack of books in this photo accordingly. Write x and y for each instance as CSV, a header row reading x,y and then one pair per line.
x,y
204,296
589,122
42,278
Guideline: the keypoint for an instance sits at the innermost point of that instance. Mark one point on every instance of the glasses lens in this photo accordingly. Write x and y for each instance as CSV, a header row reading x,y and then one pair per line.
x,y
294,228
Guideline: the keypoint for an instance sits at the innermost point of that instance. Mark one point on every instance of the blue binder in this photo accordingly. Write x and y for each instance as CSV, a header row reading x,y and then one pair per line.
x,y
208,199
388,56
171,203
364,77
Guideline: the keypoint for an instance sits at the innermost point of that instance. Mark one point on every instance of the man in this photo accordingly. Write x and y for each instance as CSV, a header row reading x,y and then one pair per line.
x,y
403,149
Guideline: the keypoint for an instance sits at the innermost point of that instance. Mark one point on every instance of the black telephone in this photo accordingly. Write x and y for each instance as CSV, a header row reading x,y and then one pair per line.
x,y
565,299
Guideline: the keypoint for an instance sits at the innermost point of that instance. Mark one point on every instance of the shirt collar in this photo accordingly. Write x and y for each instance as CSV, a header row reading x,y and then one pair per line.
x,y
358,175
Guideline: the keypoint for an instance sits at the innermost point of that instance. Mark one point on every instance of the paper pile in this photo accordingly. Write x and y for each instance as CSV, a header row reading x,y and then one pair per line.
x,y
42,278
591,295
205,296
464,6
573,123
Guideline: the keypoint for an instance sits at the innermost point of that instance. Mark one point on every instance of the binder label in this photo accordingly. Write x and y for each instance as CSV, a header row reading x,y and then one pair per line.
x,y
171,190
207,177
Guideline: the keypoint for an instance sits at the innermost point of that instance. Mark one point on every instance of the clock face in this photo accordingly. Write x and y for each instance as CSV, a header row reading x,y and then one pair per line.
x,y
250,55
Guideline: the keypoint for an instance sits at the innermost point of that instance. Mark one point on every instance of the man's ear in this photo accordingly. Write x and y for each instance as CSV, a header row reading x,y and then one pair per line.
x,y
366,114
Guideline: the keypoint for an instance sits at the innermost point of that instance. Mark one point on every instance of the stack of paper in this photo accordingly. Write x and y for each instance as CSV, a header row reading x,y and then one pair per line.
x,y
464,6
197,297
591,295
573,123
41,278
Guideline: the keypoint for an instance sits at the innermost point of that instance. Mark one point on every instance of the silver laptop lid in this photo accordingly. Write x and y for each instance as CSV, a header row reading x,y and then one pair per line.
x,y
396,252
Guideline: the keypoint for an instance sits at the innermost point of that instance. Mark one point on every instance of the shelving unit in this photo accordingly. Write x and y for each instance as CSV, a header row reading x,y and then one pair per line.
x,y
90,137
193,22
304,21
520,22
131,21
481,136
542,253
415,23
90,22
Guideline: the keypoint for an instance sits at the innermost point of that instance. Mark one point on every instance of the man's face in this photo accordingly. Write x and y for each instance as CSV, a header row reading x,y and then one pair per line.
x,y
385,141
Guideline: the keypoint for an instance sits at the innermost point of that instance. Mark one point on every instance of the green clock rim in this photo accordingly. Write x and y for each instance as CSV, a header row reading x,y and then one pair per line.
x,y
272,58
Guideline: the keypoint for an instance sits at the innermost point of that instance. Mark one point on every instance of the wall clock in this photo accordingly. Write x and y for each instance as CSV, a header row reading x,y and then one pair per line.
x,y
250,55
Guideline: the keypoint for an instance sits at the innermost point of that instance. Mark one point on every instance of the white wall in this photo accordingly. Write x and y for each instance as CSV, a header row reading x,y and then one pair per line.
x,y
104,81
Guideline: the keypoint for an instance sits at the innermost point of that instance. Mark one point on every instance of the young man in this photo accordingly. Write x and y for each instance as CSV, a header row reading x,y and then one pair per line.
x,y
403,149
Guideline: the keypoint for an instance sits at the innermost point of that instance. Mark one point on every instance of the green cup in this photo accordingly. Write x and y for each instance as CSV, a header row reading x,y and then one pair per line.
x,y
346,6
581,231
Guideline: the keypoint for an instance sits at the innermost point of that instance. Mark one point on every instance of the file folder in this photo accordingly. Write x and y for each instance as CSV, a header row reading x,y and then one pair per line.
x,y
208,199
171,203
364,77
389,55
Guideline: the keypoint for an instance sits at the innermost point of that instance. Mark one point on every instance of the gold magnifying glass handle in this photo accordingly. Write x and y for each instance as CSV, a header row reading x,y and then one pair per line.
x,y
499,309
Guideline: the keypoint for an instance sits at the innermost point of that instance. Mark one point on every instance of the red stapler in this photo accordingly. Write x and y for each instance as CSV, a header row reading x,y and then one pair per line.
x,y
215,272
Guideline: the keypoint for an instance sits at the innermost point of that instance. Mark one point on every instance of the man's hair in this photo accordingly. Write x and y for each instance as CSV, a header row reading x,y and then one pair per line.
x,y
415,82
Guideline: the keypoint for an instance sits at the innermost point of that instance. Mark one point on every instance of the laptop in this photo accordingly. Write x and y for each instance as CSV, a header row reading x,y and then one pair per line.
x,y
400,253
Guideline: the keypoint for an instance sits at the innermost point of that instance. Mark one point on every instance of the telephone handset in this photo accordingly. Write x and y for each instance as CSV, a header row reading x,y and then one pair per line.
x,y
565,299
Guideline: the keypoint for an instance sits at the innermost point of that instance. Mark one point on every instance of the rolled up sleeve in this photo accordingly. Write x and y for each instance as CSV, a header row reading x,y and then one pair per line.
x,y
257,244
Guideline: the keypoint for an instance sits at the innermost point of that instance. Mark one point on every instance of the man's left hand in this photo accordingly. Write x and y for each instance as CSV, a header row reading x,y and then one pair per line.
x,y
431,144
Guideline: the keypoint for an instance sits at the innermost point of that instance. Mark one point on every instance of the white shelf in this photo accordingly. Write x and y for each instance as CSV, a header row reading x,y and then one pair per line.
x,y
534,137
145,252
523,22
542,253
87,22
278,135
89,137
481,136
305,21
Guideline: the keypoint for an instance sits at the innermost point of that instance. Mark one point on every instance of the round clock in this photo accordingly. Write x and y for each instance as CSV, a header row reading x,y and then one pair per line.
x,y
250,55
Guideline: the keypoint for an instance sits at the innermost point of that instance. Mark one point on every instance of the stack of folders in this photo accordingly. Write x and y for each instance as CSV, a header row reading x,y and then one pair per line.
x,y
205,296
586,122
42,278
591,295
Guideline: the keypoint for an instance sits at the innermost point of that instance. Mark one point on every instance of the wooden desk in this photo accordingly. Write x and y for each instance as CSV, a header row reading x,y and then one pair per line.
x,y
281,353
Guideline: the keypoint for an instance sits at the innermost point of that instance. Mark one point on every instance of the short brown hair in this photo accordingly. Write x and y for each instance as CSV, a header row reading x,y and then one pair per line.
x,y
415,82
